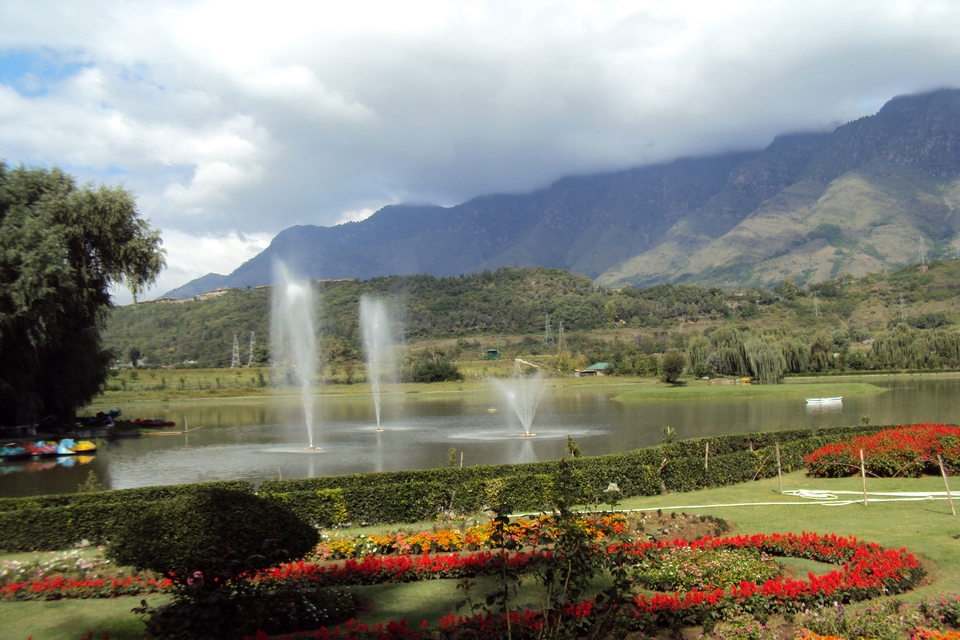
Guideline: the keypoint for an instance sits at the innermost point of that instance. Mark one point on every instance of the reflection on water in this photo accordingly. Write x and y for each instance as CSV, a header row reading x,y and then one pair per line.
x,y
252,440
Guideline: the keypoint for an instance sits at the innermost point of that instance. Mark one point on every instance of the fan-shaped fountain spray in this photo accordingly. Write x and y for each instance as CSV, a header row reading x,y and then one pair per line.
x,y
293,339
523,394
378,344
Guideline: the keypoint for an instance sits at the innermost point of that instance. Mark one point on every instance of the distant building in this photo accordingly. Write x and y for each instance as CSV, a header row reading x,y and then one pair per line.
x,y
160,300
593,370
492,354
219,291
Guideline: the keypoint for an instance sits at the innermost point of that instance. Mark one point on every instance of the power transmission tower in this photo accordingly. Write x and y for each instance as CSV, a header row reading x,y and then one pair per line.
x,y
547,332
903,308
958,246
923,253
252,342
816,306
561,344
235,359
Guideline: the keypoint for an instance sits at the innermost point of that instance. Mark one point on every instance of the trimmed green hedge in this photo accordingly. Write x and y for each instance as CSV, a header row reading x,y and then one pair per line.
x,y
45,523
420,494
59,521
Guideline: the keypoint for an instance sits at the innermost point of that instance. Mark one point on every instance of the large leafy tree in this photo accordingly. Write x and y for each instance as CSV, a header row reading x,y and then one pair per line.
x,y
62,246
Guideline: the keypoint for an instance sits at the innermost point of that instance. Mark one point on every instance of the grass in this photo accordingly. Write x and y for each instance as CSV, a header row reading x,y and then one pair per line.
x,y
161,386
71,619
698,390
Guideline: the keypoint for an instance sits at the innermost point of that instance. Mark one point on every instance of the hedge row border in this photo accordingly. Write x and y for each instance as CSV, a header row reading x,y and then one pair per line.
x,y
60,521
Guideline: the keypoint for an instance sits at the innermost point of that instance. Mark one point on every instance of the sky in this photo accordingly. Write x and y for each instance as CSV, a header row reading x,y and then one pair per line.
x,y
234,120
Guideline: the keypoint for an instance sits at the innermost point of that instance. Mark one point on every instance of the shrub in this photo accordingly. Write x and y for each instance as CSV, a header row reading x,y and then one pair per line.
x,y
174,537
671,366
440,371
46,523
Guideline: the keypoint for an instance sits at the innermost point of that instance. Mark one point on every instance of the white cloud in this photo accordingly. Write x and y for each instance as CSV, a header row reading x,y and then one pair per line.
x,y
190,257
245,117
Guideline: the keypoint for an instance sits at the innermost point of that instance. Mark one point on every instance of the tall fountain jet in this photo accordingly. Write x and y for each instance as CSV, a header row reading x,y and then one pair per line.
x,y
378,344
293,339
524,396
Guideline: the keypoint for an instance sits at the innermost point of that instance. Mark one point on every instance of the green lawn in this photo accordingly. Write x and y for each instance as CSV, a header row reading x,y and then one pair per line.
x,y
706,391
72,619
164,386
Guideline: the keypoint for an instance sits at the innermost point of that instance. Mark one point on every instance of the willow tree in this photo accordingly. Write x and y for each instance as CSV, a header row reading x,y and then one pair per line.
x,y
698,350
821,352
896,349
796,354
61,248
730,350
767,363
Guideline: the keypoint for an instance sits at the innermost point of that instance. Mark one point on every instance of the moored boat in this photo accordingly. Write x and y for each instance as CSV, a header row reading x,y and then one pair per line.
x,y
68,447
824,400
41,449
13,451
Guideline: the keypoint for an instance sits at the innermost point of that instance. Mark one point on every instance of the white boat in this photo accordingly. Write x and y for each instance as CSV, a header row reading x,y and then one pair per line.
x,y
824,400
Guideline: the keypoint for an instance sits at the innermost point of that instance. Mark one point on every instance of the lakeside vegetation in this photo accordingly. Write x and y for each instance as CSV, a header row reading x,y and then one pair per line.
x,y
711,392
902,320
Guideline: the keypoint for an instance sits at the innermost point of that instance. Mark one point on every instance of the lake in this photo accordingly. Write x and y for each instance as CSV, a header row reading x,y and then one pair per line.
x,y
254,440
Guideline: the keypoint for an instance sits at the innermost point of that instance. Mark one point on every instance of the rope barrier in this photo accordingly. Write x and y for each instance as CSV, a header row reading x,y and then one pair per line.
x,y
810,497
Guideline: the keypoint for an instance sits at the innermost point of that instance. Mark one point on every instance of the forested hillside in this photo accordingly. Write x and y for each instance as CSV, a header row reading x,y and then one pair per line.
x,y
508,307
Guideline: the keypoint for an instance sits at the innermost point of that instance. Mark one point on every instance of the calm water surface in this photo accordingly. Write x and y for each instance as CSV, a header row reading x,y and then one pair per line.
x,y
257,440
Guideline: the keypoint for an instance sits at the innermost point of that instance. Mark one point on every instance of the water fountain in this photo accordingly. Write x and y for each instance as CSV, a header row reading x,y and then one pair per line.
x,y
378,344
293,339
523,394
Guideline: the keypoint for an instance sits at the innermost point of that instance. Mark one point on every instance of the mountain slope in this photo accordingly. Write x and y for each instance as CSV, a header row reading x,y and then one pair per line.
x,y
872,189
812,205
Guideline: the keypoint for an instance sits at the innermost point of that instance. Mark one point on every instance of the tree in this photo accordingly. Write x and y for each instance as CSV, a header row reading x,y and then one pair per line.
x,y
61,248
671,366
134,355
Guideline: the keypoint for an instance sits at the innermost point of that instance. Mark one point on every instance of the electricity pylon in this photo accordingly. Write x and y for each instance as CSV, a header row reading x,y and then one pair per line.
x,y
252,342
547,332
235,359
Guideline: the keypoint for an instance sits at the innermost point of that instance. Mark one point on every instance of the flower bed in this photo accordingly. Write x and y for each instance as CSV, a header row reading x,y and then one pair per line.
x,y
72,574
56,588
864,571
524,532
908,451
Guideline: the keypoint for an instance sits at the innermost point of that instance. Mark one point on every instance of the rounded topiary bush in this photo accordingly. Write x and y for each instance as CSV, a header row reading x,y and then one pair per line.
x,y
176,537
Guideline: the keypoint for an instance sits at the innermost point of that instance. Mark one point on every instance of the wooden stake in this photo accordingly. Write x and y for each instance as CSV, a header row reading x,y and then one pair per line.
x,y
946,484
863,474
461,459
779,469
706,458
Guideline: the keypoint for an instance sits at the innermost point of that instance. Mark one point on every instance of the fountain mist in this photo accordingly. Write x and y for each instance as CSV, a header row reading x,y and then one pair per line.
x,y
523,394
378,345
293,339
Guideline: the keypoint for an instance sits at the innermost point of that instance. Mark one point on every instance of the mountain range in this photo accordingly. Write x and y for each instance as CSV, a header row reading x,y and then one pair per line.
x,y
875,193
